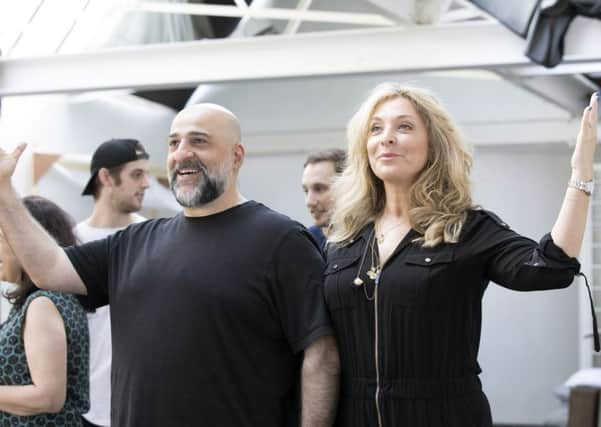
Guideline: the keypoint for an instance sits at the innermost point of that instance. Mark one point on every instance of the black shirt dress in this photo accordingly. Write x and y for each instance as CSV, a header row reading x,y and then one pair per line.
x,y
409,344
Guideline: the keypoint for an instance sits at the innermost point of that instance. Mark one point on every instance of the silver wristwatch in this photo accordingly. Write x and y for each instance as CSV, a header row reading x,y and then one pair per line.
x,y
586,187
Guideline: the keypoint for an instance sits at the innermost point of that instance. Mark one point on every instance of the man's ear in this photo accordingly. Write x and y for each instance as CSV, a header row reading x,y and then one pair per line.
x,y
105,177
239,154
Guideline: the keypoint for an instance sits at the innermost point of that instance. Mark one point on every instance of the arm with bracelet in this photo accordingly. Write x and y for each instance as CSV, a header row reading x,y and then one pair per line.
x,y
568,230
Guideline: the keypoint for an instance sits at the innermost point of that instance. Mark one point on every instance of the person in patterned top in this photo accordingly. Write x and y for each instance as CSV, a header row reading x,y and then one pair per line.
x,y
44,342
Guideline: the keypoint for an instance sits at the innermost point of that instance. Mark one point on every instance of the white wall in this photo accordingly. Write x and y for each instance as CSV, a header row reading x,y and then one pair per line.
x,y
275,180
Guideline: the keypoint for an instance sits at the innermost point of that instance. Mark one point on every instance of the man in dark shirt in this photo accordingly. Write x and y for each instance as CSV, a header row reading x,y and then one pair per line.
x,y
319,171
215,311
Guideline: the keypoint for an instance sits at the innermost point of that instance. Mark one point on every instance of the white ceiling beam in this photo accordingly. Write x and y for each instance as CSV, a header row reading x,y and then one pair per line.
x,y
420,49
267,13
582,66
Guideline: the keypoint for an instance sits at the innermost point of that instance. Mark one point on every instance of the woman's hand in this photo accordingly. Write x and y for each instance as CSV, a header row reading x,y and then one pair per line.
x,y
568,230
584,152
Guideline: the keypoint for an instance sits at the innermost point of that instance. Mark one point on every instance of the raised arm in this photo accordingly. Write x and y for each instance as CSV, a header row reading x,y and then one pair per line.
x,y
319,383
42,258
568,230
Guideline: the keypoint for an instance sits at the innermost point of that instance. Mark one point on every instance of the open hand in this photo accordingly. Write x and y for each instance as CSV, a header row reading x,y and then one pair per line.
x,y
584,152
8,162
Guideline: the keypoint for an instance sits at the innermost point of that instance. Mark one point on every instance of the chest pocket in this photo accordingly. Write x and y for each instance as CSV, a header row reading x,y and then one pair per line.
x,y
338,282
418,275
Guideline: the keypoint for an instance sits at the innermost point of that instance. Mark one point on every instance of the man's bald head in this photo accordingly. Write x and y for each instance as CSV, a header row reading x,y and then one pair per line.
x,y
216,114
204,155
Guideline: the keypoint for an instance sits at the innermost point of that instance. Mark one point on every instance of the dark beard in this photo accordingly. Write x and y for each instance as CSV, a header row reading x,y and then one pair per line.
x,y
209,187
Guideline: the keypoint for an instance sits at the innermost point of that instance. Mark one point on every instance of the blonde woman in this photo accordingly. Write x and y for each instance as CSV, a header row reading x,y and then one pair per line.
x,y
409,258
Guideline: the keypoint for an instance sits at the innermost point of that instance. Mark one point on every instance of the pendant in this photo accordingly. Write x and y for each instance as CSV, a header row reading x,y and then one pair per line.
x,y
357,281
373,273
380,238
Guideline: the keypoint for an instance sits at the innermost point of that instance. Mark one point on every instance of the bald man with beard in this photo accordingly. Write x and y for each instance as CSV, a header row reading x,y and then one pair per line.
x,y
218,315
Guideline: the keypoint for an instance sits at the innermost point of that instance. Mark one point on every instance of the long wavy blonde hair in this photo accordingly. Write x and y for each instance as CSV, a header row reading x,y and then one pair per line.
x,y
440,197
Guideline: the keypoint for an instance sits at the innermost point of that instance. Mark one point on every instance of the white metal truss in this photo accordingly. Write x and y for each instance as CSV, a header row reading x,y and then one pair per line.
x,y
294,24
26,23
370,19
416,49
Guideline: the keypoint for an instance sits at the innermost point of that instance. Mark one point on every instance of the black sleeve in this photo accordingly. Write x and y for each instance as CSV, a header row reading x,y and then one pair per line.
x,y
519,263
91,261
298,290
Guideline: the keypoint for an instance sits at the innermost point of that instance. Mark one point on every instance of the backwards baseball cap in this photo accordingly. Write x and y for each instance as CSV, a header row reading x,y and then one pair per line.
x,y
113,153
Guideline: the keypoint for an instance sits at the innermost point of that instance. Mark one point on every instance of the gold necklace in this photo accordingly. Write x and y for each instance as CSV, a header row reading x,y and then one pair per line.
x,y
381,236
374,270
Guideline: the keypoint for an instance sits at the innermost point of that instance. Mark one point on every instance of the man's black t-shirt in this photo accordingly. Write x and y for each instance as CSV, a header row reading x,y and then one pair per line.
x,y
209,316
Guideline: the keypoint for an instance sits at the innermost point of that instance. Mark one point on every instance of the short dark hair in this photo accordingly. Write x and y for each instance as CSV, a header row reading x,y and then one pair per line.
x,y
58,224
334,155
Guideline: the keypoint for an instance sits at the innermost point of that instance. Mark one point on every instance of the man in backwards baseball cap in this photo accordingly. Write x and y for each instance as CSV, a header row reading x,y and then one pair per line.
x,y
119,178
109,155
